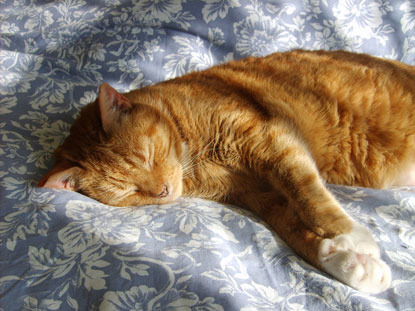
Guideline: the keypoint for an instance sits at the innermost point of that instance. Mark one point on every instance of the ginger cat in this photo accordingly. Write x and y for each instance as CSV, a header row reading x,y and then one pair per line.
x,y
263,133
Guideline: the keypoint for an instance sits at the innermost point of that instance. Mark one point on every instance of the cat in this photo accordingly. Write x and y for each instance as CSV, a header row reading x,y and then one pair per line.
x,y
264,133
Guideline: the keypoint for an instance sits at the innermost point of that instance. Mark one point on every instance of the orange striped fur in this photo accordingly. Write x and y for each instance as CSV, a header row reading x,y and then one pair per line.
x,y
263,133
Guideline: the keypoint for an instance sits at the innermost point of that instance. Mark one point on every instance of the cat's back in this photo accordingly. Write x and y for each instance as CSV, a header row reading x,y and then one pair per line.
x,y
341,88
301,80
356,80
295,81
353,110
315,90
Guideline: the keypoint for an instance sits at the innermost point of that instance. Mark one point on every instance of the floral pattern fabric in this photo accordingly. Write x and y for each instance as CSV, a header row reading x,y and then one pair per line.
x,y
60,250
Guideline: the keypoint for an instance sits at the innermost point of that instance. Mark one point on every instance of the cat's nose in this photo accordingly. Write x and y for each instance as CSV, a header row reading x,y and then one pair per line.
x,y
164,191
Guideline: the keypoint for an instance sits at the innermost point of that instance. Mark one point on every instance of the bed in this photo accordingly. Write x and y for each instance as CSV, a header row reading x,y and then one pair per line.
x,y
60,250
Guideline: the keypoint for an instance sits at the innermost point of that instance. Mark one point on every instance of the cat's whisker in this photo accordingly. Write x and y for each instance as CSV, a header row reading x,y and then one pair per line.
x,y
189,162
187,171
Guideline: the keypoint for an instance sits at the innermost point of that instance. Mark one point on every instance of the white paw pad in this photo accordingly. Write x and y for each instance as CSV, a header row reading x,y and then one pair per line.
x,y
354,259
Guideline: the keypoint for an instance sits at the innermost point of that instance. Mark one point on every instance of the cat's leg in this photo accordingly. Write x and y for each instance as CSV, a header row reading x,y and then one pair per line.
x,y
346,250
288,166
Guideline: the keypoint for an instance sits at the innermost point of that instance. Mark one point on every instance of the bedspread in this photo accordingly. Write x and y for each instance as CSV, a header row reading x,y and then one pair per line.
x,y
60,250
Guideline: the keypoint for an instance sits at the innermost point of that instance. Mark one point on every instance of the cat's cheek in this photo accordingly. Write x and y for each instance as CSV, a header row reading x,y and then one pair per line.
x,y
178,189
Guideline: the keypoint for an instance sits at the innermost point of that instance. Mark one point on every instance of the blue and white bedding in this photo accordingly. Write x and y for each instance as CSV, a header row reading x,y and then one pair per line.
x,y
60,250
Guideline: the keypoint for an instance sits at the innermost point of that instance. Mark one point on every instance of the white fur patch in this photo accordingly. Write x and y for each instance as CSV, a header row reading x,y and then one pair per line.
x,y
406,178
354,259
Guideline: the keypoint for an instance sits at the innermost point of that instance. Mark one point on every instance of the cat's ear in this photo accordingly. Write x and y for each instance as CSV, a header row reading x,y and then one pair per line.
x,y
111,105
60,179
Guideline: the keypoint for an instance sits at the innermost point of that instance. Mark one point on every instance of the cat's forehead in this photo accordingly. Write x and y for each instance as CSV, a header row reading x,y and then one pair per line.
x,y
146,146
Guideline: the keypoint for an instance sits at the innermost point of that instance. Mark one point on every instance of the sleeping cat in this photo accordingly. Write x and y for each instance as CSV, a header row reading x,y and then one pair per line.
x,y
263,133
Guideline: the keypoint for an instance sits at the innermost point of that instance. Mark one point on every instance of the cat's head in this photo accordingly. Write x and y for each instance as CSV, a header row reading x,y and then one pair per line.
x,y
120,152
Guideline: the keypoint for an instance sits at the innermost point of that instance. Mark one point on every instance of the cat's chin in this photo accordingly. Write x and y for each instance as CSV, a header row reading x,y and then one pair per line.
x,y
170,199
176,191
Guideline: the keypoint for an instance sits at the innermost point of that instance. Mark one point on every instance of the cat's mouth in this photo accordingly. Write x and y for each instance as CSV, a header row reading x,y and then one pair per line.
x,y
173,194
171,190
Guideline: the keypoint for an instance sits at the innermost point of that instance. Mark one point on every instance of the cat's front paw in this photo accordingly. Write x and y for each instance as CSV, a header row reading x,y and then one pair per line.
x,y
354,259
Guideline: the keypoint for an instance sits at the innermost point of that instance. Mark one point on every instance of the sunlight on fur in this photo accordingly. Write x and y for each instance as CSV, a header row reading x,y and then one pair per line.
x,y
262,133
